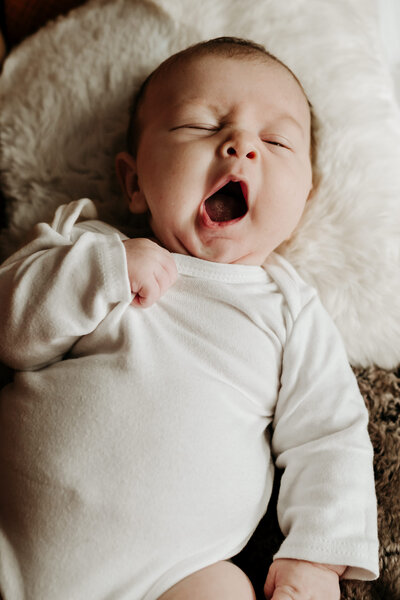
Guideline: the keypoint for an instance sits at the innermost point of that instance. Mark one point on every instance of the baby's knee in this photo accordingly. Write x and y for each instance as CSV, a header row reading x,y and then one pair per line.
x,y
220,581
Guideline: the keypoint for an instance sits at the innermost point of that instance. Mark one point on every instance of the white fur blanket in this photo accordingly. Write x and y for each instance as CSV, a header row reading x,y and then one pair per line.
x,y
64,95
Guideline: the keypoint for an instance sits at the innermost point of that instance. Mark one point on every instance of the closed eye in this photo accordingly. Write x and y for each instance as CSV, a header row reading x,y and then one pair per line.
x,y
199,126
277,144
274,143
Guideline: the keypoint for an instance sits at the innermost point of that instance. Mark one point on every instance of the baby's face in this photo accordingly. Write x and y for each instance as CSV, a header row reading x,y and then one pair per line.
x,y
223,162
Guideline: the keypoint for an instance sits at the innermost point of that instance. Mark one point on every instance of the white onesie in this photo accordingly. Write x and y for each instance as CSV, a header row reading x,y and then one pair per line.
x,y
135,446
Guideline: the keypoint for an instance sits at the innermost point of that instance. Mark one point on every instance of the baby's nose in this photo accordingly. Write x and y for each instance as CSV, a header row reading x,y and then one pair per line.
x,y
239,144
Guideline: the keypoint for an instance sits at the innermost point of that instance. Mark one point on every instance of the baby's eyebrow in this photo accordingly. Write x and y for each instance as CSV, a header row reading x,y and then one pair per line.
x,y
197,103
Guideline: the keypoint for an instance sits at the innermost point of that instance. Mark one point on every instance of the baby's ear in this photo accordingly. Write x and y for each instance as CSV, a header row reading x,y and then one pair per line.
x,y
125,166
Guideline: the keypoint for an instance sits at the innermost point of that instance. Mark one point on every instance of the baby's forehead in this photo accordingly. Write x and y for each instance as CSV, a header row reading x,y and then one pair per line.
x,y
181,69
173,80
210,78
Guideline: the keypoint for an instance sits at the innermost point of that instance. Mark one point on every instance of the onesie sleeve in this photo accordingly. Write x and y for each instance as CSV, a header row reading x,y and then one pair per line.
x,y
327,503
59,286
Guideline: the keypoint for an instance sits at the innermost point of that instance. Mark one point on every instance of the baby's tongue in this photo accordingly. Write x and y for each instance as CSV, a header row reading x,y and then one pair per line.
x,y
221,207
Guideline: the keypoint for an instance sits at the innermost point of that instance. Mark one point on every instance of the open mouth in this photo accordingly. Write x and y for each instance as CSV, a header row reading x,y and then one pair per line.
x,y
227,204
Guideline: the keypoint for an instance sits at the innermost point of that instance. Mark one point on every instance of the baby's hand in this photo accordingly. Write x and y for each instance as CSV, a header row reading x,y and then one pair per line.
x,y
290,579
151,270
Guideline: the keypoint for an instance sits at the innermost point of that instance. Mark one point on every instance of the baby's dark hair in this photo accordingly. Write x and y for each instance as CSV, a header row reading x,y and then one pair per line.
x,y
230,47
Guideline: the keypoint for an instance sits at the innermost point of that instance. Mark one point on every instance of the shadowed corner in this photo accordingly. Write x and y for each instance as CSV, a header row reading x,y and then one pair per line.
x,y
3,217
3,49
256,556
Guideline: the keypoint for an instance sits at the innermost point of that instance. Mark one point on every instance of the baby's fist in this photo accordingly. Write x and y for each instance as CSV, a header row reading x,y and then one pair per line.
x,y
290,579
151,270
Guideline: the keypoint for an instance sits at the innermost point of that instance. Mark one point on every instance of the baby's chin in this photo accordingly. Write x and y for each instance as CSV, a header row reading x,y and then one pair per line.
x,y
230,251
227,255
226,251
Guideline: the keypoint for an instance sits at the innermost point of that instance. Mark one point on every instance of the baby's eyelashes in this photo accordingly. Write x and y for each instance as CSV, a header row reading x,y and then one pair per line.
x,y
279,142
199,126
274,143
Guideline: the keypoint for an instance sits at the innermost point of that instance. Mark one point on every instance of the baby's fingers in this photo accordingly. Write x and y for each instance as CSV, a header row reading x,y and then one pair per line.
x,y
166,275
285,594
146,296
270,583
291,579
149,292
162,281
274,591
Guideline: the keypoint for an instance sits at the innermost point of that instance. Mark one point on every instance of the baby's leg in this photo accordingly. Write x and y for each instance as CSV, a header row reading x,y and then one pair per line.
x,y
220,581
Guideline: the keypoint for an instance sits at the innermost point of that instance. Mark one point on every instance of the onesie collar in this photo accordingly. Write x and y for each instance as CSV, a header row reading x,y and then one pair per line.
x,y
205,269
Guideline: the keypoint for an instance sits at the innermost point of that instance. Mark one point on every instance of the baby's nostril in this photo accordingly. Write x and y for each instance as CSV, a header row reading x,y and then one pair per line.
x,y
251,154
231,150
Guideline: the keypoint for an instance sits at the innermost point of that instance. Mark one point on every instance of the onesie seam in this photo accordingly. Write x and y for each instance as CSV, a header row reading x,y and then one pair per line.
x,y
111,281
224,278
367,554
331,545
219,271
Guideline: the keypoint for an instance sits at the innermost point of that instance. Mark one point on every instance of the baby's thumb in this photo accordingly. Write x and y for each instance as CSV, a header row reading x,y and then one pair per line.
x,y
269,586
271,591
280,594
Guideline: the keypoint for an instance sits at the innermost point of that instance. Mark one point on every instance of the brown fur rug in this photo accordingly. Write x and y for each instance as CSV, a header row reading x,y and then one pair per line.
x,y
381,391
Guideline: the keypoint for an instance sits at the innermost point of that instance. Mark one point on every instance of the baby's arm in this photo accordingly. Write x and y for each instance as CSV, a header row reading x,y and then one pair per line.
x,y
151,270
290,579
327,504
59,287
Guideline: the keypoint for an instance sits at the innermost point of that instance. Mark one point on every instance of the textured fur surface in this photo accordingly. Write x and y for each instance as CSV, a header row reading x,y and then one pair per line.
x,y
65,92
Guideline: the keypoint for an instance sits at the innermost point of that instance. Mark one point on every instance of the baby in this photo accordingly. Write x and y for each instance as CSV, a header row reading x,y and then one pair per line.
x,y
136,445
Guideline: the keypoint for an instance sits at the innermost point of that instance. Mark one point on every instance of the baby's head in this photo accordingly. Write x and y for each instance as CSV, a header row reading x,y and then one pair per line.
x,y
220,152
